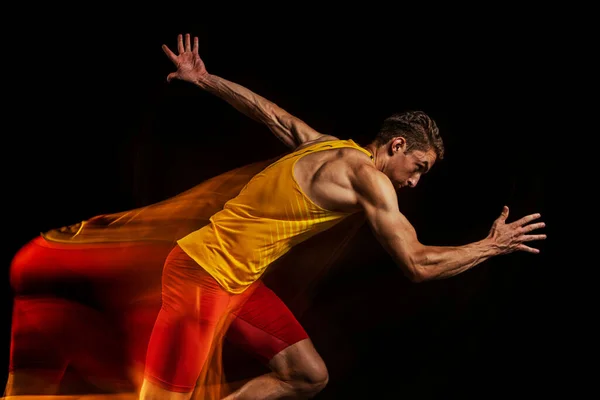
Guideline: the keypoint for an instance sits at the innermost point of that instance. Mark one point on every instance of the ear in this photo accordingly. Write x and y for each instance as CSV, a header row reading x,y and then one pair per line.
x,y
397,144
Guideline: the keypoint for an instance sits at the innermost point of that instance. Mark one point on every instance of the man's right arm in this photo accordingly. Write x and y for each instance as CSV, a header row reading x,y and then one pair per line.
x,y
419,262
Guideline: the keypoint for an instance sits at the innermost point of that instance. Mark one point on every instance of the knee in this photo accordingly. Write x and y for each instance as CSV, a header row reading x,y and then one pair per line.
x,y
318,376
311,379
318,382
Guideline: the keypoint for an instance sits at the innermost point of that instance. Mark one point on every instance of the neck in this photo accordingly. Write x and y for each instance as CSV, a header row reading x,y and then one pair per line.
x,y
372,148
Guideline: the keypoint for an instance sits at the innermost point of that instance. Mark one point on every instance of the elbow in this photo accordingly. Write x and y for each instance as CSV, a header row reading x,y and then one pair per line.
x,y
413,272
416,275
415,269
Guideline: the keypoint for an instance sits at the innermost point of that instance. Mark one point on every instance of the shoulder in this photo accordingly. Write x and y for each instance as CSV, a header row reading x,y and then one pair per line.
x,y
354,170
321,138
372,187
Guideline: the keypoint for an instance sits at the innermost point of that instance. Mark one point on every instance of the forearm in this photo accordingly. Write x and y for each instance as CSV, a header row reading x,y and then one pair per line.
x,y
250,104
441,262
241,98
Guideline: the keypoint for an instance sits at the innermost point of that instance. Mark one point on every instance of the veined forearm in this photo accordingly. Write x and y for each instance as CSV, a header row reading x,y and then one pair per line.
x,y
241,98
440,262
279,121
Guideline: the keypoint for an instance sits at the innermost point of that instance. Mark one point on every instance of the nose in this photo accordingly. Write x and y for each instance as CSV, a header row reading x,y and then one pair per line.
x,y
412,182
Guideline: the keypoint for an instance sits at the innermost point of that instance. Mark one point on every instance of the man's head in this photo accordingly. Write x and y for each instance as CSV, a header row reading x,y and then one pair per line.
x,y
407,146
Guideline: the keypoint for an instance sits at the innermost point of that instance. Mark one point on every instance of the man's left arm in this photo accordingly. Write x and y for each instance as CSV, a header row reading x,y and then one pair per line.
x,y
292,131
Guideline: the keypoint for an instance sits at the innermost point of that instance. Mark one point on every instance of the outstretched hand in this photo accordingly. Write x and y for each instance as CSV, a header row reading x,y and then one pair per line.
x,y
511,237
190,66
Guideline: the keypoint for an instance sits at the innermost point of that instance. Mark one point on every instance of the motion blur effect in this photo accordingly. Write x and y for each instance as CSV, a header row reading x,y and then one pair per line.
x,y
87,295
116,183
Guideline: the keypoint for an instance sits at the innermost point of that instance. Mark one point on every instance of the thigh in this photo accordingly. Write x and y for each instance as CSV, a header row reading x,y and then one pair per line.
x,y
264,326
192,317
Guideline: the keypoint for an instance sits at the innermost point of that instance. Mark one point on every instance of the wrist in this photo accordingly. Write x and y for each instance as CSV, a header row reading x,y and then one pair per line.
x,y
204,81
489,248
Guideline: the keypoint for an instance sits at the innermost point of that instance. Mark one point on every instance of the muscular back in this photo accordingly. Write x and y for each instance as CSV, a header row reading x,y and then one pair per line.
x,y
326,176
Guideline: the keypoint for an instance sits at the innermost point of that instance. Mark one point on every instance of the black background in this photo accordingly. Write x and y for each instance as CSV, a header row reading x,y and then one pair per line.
x,y
98,129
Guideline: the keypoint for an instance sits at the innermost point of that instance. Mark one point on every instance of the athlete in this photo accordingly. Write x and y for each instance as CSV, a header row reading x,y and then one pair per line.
x,y
213,272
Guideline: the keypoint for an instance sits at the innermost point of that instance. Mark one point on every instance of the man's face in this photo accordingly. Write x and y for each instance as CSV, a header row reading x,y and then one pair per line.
x,y
405,169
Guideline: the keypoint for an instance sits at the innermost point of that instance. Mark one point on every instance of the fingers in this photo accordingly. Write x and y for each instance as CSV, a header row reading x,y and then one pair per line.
x,y
532,227
180,47
526,219
172,75
503,214
169,53
527,249
530,238
188,45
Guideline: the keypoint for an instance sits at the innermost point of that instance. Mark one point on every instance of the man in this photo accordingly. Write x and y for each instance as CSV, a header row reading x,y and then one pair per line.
x,y
215,271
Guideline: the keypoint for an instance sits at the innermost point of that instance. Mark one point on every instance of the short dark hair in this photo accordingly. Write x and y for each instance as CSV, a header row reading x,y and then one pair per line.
x,y
419,130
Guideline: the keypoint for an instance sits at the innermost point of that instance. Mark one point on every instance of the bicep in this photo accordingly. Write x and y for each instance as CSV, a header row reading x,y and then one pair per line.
x,y
391,228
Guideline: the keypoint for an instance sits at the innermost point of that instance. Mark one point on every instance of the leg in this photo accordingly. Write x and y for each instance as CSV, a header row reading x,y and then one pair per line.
x,y
298,372
193,312
266,328
54,325
151,391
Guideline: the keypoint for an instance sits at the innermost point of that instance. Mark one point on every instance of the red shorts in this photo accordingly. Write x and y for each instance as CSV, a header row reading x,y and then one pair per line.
x,y
196,312
92,307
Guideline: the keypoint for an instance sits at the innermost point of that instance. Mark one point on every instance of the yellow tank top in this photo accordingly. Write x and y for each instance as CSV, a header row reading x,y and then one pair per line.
x,y
264,221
